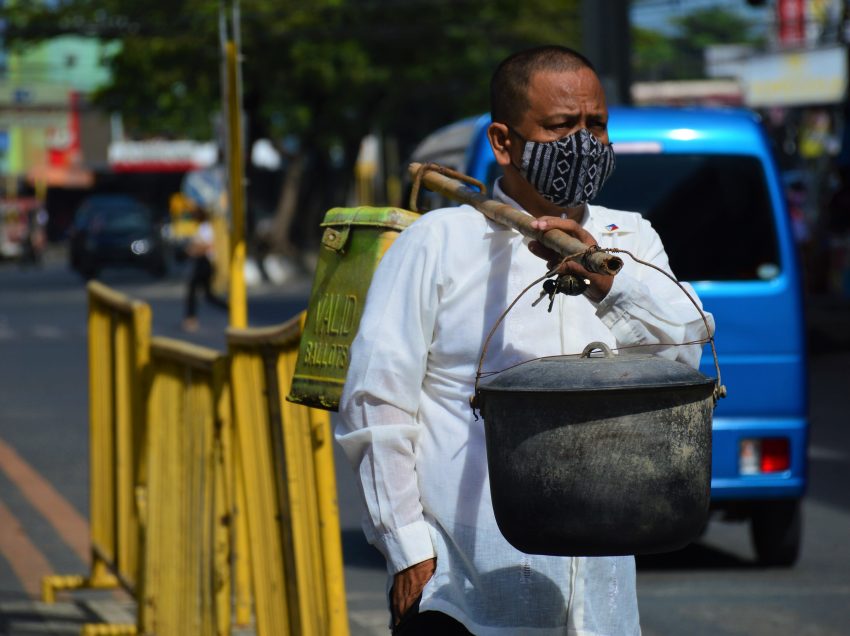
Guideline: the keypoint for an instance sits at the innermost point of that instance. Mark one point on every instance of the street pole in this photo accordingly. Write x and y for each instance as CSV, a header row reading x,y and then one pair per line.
x,y
232,103
235,168
606,42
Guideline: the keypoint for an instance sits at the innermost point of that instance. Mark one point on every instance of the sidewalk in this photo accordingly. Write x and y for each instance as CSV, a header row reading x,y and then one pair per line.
x,y
26,617
65,618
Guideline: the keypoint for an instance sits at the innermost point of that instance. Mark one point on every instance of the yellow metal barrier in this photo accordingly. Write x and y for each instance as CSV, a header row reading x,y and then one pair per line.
x,y
107,629
290,487
186,585
119,340
182,502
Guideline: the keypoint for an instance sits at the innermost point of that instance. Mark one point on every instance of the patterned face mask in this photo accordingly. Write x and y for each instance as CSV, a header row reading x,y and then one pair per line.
x,y
569,170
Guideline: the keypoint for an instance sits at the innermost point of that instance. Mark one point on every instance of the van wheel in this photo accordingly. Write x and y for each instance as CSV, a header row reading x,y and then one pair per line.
x,y
776,529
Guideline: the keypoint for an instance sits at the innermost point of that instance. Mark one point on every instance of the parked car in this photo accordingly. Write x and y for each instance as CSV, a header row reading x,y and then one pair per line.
x,y
709,185
115,230
22,229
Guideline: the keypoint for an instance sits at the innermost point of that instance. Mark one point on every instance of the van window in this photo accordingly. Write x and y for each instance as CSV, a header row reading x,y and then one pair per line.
x,y
713,212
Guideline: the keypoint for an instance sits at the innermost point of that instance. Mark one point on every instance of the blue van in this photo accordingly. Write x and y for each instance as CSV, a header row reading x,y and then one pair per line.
x,y
707,181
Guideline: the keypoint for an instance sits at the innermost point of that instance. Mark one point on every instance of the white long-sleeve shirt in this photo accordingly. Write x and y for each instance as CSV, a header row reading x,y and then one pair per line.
x,y
419,453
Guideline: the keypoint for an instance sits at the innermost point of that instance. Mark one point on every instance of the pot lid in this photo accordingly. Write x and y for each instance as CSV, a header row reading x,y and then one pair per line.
x,y
593,372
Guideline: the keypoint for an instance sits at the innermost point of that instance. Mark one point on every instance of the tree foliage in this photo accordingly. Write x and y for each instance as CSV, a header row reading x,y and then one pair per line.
x,y
659,56
654,55
318,74
324,71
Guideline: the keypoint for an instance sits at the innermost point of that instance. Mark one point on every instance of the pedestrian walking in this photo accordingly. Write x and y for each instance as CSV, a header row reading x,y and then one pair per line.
x,y
406,423
201,251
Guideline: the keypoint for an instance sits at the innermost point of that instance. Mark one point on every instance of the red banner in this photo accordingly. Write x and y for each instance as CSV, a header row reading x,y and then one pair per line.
x,y
63,144
791,21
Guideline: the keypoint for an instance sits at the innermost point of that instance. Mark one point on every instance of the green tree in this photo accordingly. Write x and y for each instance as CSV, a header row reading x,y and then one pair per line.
x,y
320,73
654,56
700,29
658,56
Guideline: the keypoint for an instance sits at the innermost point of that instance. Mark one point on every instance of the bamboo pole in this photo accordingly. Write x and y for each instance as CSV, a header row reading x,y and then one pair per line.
x,y
561,242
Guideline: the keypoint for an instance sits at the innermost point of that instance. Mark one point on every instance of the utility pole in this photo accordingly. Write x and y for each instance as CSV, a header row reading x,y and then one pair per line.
x,y
606,41
232,101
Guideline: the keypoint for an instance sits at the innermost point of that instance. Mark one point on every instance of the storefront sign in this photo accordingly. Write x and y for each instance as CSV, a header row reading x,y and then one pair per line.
x,y
161,155
795,78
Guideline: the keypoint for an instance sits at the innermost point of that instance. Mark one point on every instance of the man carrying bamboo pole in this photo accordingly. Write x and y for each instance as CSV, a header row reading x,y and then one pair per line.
x,y
406,422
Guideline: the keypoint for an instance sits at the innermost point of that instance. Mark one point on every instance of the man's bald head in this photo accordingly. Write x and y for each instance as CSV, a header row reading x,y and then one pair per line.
x,y
509,85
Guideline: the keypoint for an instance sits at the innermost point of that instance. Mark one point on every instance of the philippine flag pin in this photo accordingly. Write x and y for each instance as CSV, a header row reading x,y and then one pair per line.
x,y
613,227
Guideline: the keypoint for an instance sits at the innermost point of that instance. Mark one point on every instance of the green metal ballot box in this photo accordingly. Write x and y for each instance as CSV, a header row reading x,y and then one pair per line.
x,y
353,243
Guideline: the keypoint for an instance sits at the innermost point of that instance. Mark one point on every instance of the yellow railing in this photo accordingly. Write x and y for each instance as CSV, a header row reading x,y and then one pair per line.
x,y
119,333
209,491
290,486
186,572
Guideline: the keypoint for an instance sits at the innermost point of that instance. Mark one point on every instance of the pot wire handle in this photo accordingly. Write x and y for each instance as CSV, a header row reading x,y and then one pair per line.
x,y
473,399
719,387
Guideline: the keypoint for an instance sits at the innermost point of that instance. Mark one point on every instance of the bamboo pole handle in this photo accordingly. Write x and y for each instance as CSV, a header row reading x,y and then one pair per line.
x,y
561,242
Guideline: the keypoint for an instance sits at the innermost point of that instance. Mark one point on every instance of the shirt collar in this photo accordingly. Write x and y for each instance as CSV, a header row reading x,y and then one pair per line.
x,y
500,195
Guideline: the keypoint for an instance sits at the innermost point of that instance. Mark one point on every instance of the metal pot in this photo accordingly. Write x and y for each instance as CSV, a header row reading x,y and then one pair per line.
x,y
594,456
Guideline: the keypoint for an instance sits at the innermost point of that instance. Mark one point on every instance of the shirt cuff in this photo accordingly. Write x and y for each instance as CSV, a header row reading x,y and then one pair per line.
x,y
617,297
408,545
613,310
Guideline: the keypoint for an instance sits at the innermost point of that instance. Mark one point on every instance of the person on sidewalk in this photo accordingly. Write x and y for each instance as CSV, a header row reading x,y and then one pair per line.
x,y
201,251
406,424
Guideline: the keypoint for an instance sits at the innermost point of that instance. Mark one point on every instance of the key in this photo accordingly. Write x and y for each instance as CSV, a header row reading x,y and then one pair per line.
x,y
552,286
549,289
543,295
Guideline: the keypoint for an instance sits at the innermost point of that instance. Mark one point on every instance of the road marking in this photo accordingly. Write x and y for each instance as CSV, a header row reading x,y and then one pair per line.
x,y
26,560
39,332
372,621
827,454
73,529
6,332
47,332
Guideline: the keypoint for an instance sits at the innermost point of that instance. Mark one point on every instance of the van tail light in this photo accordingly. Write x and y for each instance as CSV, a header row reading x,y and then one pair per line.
x,y
764,455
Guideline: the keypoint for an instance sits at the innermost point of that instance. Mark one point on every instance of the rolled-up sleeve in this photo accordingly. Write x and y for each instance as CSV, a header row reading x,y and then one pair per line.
x,y
378,427
645,307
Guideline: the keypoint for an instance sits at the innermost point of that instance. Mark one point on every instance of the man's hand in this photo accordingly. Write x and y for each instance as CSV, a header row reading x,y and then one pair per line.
x,y
408,585
600,284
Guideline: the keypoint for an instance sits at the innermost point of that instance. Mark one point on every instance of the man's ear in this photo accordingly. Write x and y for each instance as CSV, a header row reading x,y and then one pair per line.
x,y
500,141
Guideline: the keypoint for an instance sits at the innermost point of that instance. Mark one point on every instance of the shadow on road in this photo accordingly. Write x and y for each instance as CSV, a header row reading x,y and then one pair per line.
x,y
696,556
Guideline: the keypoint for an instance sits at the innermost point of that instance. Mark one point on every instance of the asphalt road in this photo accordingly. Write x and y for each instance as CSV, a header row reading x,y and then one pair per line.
x,y
713,587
